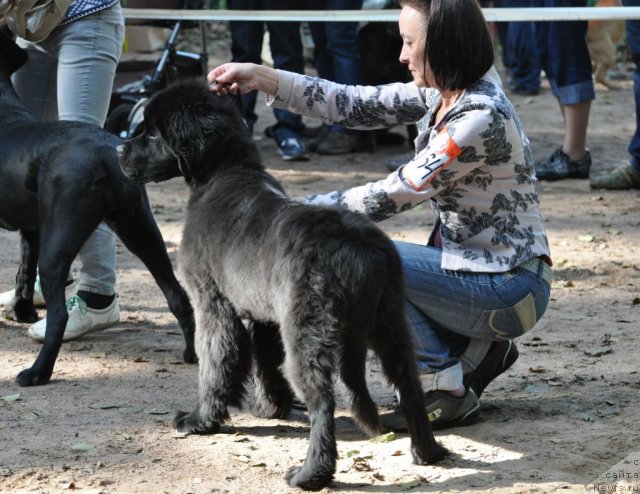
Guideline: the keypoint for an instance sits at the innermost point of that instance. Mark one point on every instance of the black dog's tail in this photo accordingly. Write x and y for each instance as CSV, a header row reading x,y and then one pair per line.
x,y
123,193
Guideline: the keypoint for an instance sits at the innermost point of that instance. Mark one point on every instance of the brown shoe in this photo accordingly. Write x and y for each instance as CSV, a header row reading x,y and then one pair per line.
x,y
622,178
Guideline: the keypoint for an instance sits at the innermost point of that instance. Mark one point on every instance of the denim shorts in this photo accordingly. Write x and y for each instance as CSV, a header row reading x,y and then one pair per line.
x,y
564,55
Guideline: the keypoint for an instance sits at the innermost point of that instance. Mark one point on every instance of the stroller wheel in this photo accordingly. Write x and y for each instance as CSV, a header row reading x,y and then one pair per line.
x,y
118,120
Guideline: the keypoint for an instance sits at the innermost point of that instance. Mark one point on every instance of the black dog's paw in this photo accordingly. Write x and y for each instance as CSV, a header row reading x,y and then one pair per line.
x,y
271,410
22,311
30,377
190,356
305,479
430,456
194,424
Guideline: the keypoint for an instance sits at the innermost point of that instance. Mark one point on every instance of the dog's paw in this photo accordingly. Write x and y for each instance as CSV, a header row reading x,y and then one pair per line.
x,y
22,311
194,424
303,478
190,356
30,377
271,410
430,455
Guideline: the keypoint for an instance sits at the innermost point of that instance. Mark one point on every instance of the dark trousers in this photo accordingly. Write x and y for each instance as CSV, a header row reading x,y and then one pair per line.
x,y
522,51
286,49
632,27
337,49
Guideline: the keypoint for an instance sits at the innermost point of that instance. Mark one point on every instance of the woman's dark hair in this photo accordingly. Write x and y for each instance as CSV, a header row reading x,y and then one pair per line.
x,y
459,48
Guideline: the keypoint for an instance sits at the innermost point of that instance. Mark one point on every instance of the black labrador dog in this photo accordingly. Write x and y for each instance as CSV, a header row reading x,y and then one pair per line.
x,y
58,181
316,285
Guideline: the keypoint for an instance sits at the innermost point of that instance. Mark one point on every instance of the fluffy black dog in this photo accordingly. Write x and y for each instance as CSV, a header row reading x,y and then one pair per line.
x,y
317,285
58,181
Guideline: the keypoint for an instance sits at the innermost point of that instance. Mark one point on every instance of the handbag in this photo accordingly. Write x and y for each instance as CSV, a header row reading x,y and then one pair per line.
x,y
33,20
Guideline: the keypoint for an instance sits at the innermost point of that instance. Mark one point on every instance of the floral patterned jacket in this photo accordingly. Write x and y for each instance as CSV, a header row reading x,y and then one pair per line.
x,y
475,165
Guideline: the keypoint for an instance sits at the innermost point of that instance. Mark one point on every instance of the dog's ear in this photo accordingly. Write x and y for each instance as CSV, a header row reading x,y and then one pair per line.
x,y
13,57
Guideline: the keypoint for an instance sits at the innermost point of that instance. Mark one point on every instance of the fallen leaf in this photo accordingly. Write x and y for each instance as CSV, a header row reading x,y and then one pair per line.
x,y
82,447
13,397
384,438
586,238
141,359
409,484
158,411
29,416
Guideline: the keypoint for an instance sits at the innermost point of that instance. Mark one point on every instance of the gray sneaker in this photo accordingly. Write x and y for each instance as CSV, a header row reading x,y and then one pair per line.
x,y
559,166
443,410
622,178
446,410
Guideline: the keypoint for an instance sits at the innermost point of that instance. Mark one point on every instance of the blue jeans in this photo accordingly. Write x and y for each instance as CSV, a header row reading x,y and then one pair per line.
x,y
564,55
69,76
337,48
632,27
286,49
453,313
522,52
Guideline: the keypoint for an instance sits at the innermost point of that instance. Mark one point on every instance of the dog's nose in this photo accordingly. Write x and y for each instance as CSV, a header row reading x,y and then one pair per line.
x,y
120,150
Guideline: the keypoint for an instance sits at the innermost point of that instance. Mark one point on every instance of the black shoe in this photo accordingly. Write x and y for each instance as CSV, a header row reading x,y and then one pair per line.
x,y
501,356
559,166
446,410
443,410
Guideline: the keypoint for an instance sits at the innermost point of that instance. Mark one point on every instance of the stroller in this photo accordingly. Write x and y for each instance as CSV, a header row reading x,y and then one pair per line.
x,y
136,81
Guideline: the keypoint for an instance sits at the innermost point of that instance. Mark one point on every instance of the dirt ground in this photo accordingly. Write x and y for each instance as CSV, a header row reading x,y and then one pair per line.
x,y
564,414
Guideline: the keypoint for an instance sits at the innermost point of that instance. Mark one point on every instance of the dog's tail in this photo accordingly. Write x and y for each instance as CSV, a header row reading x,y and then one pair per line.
x,y
123,193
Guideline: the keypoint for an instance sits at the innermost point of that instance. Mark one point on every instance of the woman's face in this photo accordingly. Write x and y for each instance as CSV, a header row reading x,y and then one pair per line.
x,y
412,30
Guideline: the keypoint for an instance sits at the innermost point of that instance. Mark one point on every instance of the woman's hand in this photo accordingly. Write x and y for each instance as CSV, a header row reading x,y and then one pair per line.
x,y
243,78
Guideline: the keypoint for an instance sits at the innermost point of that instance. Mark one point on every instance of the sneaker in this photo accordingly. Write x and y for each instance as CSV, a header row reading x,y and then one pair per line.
x,y
622,178
446,410
82,320
443,410
559,166
501,356
8,298
290,146
335,143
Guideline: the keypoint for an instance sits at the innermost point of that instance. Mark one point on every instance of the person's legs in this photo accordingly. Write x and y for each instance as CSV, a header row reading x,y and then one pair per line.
x,y
524,67
337,58
69,76
80,60
576,121
633,40
568,67
459,308
88,54
246,46
286,50
628,176
285,42
462,325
